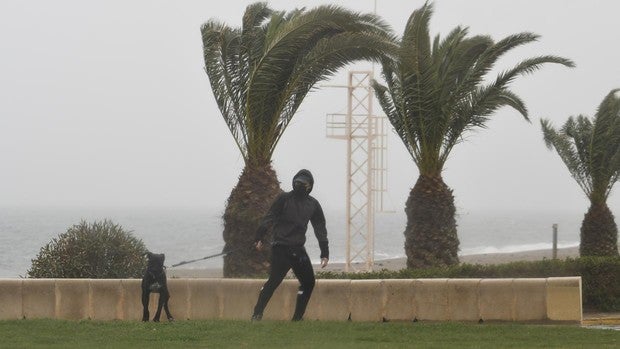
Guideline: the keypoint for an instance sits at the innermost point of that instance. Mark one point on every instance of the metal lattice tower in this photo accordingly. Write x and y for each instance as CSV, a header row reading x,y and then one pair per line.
x,y
366,136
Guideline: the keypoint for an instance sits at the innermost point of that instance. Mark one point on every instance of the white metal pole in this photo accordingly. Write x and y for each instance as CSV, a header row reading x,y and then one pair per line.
x,y
369,185
347,266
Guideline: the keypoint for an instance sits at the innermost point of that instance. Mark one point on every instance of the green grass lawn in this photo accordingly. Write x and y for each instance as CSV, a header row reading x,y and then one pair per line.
x,y
308,334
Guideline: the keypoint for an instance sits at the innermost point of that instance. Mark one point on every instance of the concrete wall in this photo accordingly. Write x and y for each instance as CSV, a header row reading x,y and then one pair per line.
x,y
521,300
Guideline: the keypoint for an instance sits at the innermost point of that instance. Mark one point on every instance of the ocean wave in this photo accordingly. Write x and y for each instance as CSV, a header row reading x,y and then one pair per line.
x,y
514,248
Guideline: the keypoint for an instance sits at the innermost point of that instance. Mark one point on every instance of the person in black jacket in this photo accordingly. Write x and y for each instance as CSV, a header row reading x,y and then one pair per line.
x,y
288,217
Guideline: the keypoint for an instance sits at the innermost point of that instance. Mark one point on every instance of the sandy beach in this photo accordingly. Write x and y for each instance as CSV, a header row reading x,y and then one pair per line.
x,y
400,263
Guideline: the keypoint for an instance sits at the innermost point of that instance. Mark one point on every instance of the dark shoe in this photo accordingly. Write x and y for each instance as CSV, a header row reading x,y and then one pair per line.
x,y
257,317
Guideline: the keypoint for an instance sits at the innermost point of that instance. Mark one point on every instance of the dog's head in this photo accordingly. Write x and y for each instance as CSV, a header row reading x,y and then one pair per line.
x,y
155,262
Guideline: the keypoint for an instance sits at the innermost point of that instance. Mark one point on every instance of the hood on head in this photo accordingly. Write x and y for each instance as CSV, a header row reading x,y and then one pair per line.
x,y
305,175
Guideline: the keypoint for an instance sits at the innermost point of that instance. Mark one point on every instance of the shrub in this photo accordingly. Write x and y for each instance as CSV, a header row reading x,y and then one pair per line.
x,y
600,282
600,276
99,250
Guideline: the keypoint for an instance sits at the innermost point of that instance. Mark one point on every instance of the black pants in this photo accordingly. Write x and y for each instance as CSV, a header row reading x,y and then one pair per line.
x,y
283,258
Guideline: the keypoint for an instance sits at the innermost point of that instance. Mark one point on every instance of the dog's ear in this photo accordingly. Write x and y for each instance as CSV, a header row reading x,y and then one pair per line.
x,y
148,254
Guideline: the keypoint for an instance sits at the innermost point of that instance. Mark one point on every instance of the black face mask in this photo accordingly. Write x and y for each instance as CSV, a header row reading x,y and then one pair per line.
x,y
301,187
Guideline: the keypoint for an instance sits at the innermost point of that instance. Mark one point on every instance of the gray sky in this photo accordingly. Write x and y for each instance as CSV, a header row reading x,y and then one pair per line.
x,y
106,103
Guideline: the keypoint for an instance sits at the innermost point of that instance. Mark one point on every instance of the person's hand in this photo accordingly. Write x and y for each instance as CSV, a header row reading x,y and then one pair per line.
x,y
259,245
324,262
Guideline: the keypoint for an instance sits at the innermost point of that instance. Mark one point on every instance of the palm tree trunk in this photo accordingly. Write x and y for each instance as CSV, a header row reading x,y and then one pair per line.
x,y
599,233
430,236
247,204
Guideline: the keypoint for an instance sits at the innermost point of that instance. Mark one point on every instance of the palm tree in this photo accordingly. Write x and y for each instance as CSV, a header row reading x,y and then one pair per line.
x,y
435,92
591,152
260,74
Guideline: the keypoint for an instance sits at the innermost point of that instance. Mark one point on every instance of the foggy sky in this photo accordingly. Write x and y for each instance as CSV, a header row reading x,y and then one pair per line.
x,y
106,103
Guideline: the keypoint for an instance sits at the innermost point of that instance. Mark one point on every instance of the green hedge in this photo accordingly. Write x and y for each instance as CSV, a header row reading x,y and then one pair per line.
x,y
600,276
101,250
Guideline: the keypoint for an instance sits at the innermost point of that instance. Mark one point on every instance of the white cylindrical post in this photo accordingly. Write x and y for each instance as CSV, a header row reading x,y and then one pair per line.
x,y
555,241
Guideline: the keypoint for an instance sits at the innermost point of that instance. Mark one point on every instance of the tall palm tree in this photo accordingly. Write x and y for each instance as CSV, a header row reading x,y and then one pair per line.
x,y
260,74
436,91
591,152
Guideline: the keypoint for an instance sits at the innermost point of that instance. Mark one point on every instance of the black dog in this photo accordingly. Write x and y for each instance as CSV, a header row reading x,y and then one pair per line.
x,y
154,280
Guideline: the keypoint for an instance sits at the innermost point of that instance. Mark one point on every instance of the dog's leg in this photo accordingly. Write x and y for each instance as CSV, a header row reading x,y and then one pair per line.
x,y
166,296
145,305
160,303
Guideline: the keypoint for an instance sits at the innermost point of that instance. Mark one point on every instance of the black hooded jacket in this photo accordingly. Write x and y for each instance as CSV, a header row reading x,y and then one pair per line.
x,y
289,216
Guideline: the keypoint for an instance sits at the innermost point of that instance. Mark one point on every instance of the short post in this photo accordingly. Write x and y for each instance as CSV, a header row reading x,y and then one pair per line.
x,y
555,241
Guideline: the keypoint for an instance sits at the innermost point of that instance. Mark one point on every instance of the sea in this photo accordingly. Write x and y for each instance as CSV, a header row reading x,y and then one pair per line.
x,y
193,233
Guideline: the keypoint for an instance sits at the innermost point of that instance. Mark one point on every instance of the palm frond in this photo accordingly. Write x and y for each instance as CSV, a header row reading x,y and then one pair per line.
x,y
605,142
566,149
221,52
488,59
416,46
261,72
435,92
529,66
591,149
326,58
253,32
